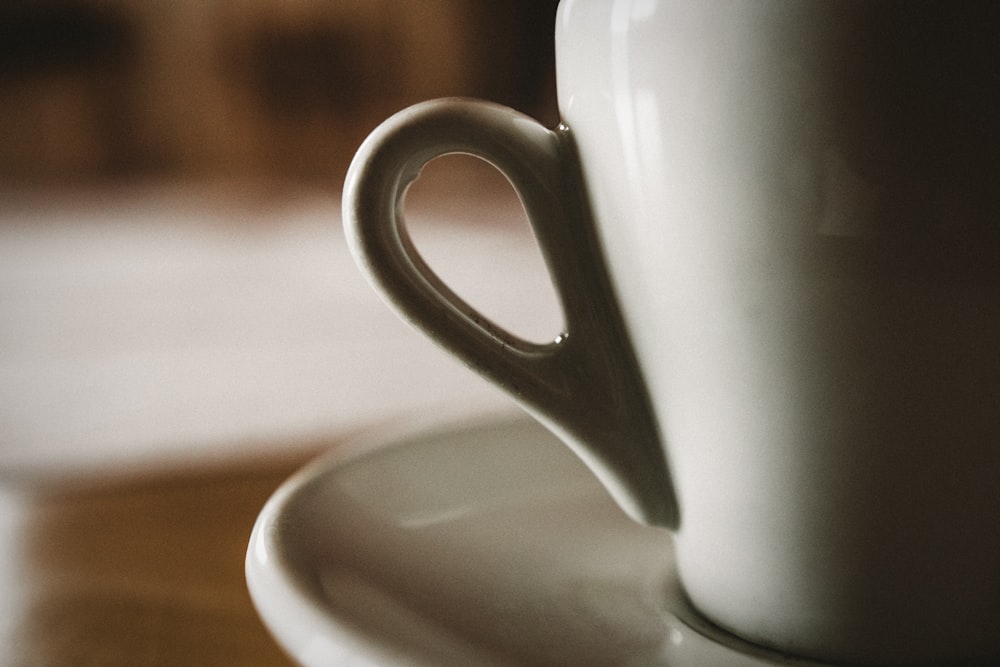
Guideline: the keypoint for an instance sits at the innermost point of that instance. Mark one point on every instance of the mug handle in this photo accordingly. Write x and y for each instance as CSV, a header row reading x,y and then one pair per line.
x,y
584,385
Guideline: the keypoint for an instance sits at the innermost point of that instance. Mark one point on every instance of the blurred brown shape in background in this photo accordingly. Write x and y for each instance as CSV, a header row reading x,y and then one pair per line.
x,y
98,89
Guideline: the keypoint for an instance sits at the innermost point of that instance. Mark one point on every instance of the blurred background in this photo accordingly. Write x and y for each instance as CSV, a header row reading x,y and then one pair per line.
x,y
96,89
181,324
172,266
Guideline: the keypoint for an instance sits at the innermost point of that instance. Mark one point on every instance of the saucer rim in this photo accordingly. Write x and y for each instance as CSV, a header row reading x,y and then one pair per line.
x,y
317,631
278,592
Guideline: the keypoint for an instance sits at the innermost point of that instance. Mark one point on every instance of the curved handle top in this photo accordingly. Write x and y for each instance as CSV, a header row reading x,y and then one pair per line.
x,y
585,384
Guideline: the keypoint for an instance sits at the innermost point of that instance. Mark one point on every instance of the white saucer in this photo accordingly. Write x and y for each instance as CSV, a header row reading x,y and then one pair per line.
x,y
475,544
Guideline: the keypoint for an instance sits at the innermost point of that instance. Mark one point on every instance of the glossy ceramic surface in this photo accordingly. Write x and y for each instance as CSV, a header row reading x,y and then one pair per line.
x,y
796,205
584,384
483,543
793,204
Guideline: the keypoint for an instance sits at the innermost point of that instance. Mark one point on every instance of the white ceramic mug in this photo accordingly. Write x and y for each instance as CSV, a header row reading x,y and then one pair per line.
x,y
775,230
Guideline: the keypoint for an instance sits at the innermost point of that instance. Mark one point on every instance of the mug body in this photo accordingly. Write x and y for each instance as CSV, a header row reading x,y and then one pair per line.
x,y
799,204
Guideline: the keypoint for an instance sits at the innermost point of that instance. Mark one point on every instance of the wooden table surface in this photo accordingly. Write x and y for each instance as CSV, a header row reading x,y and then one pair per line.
x,y
137,572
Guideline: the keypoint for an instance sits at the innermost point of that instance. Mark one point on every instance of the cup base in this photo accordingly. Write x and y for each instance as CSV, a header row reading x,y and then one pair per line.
x,y
871,654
